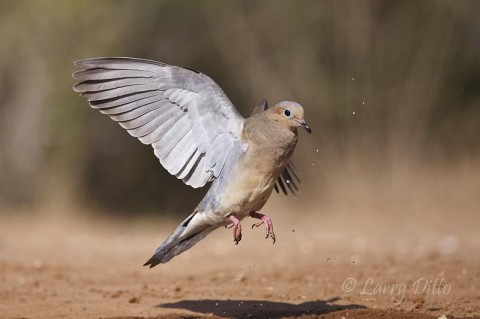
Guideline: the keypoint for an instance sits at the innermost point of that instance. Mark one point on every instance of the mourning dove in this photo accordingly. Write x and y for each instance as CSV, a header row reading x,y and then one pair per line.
x,y
199,136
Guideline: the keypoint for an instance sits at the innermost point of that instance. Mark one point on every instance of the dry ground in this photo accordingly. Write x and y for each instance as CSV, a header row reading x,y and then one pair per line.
x,y
322,266
400,246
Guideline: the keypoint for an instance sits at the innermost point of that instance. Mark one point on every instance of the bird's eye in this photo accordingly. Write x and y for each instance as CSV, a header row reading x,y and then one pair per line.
x,y
287,113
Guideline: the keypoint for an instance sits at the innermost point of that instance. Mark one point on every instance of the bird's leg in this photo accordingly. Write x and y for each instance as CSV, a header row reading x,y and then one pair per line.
x,y
237,228
264,220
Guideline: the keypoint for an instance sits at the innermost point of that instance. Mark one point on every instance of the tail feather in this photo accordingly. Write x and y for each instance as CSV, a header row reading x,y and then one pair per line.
x,y
176,244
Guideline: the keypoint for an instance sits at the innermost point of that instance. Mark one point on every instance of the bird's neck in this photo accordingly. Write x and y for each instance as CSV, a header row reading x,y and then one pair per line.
x,y
264,132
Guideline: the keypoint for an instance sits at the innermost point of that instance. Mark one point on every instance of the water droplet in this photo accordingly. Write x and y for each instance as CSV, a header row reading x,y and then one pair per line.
x,y
363,102
353,79
288,181
353,113
317,150
313,164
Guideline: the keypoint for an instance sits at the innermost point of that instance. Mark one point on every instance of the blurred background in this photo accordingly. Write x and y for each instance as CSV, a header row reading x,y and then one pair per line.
x,y
391,90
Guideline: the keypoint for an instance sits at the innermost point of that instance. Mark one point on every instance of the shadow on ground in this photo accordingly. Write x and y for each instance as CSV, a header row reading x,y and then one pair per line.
x,y
258,308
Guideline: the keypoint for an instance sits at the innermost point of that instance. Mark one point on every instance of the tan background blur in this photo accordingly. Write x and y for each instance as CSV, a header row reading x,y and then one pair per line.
x,y
391,90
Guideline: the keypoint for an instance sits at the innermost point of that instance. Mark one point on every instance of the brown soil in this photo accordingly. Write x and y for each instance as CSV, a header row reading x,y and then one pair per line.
x,y
320,267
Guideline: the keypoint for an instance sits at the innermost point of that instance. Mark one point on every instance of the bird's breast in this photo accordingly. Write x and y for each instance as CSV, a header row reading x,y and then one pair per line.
x,y
251,181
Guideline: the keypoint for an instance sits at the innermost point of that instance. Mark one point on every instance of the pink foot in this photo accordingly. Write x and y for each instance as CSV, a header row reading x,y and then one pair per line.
x,y
237,228
264,220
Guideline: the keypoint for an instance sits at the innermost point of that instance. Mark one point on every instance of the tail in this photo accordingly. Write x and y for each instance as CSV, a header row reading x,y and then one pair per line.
x,y
183,238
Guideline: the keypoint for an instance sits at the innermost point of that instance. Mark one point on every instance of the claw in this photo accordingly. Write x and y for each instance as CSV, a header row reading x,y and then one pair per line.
x,y
264,220
257,224
237,228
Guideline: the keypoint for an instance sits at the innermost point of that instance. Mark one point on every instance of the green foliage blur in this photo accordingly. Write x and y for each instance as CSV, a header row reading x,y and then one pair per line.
x,y
382,82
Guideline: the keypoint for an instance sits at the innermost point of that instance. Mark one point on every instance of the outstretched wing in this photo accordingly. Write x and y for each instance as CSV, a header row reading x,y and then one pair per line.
x,y
289,177
185,116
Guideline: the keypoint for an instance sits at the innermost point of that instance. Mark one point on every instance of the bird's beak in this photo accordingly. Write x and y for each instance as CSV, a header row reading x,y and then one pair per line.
x,y
305,126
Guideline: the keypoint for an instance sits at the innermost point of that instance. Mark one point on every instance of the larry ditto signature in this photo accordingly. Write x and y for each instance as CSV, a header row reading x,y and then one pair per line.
x,y
420,286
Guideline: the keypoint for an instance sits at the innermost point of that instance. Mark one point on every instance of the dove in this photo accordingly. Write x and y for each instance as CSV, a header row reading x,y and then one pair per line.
x,y
199,137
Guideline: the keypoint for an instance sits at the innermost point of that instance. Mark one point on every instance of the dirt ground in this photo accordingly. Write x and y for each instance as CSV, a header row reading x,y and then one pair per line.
x,y
324,265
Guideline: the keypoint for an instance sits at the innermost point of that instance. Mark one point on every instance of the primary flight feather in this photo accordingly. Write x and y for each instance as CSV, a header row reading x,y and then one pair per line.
x,y
198,136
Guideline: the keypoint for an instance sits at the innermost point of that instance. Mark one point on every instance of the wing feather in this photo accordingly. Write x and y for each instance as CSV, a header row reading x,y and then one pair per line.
x,y
117,92
161,123
115,63
137,109
104,85
282,186
141,120
165,145
289,177
198,175
216,158
189,166
104,74
179,155
122,100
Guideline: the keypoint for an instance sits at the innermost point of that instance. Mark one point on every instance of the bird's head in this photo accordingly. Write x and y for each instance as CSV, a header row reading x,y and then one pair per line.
x,y
289,114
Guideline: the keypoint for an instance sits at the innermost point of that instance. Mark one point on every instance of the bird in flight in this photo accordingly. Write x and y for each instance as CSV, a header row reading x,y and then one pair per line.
x,y
199,136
